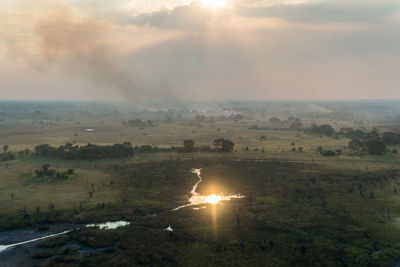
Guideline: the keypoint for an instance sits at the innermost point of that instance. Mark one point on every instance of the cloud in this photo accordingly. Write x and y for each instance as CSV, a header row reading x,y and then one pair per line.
x,y
87,46
193,16
235,56
365,11
254,50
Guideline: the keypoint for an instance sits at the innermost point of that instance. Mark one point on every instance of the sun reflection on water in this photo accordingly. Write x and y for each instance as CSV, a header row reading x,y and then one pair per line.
x,y
213,199
197,199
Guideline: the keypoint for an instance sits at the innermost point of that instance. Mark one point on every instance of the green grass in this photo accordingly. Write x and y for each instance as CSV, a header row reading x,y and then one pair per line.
x,y
308,212
314,209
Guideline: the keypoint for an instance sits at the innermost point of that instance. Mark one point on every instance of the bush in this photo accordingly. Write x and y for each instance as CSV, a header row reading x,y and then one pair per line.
x,y
6,156
328,153
223,145
46,171
390,138
324,129
189,145
375,147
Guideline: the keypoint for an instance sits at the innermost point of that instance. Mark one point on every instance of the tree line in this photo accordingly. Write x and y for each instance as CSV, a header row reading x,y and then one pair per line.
x,y
87,152
361,142
125,150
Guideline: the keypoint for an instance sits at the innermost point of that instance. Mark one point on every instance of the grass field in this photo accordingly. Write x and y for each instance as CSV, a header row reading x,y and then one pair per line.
x,y
300,208
292,213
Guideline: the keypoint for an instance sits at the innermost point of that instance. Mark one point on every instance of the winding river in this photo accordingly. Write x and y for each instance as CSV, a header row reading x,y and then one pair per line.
x,y
197,200
102,226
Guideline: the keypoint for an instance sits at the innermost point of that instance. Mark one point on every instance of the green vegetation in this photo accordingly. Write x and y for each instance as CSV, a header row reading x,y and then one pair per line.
x,y
293,213
6,156
139,123
324,129
223,145
189,145
320,189
88,152
46,171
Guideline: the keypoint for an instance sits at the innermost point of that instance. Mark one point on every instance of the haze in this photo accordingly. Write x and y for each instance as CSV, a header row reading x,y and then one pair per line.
x,y
199,50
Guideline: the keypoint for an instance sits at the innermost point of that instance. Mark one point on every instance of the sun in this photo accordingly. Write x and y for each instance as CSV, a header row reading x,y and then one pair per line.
x,y
214,3
213,199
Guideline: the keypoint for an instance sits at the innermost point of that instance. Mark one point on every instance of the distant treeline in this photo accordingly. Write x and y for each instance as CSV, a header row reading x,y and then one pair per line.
x,y
370,142
220,145
294,124
124,150
87,152
9,155
324,129
140,123
387,138
361,142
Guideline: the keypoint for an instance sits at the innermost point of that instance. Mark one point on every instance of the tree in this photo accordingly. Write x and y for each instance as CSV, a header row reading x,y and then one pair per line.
x,y
188,145
275,120
373,134
324,129
46,168
296,126
328,153
5,148
223,145
238,117
390,138
27,152
375,147
7,156
69,146
357,144
44,150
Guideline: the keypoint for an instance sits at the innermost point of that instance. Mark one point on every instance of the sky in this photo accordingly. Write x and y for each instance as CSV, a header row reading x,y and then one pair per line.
x,y
180,50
